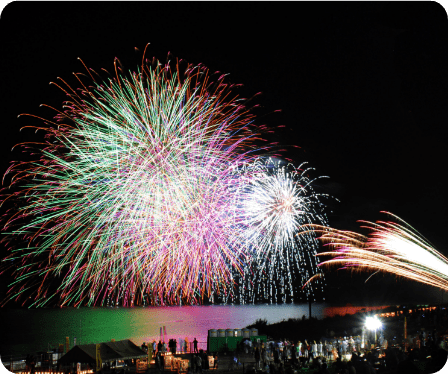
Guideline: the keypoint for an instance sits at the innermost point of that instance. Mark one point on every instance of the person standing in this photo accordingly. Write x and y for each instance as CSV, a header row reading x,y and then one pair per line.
x,y
162,362
28,362
199,362
340,348
319,348
329,349
304,351
206,363
32,364
351,368
149,356
344,345
314,349
157,361
181,345
276,356
264,355
324,369
334,352
307,349
195,345
257,357
351,344
215,364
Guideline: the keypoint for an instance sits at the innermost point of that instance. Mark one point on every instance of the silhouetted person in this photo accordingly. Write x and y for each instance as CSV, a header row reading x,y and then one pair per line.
x,y
32,364
195,345
162,362
257,358
351,368
205,362
276,357
324,369
215,366
407,366
28,362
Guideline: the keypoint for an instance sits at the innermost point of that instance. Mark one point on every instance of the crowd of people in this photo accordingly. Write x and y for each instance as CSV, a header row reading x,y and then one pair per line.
x,y
345,355
425,346
173,346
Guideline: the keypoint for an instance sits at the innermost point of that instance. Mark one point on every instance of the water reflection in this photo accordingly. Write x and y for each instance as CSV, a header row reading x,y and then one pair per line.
x,y
32,330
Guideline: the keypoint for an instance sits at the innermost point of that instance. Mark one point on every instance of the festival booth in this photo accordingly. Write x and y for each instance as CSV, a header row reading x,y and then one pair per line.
x,y
112,353
174,363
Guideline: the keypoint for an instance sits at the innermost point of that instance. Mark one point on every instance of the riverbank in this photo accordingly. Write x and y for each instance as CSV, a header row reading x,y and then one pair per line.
x,y
418,317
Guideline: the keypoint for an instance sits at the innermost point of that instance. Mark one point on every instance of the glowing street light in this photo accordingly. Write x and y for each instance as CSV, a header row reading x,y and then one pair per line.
x,y
373,324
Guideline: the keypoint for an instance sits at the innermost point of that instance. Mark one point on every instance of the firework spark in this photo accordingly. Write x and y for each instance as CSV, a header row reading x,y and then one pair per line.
x,y
390,247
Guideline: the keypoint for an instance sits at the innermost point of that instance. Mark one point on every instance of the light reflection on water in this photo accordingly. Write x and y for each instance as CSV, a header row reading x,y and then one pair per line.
x,y
32,330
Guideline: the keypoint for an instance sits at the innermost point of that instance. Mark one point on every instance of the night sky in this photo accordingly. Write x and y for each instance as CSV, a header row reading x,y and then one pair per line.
x,y
362,89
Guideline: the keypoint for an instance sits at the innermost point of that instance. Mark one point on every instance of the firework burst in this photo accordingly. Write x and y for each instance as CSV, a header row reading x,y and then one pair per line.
x,y
278,201
147,189
390,247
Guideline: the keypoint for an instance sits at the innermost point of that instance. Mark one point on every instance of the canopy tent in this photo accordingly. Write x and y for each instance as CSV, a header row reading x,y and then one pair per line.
x,y
110,351
126,349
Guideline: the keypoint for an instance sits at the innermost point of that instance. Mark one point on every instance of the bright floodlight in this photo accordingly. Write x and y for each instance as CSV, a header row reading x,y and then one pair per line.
x,y
373,323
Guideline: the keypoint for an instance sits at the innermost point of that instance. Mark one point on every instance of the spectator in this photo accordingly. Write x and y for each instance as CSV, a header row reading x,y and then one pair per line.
x,y
351,368
257,358
407,366
276,357
195,345
324,369
320,348
215,366
198,362
162,362
157,361
314,349
205,362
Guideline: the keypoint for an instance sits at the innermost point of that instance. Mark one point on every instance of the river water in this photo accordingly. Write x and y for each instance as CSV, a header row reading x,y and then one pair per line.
x,y
32,330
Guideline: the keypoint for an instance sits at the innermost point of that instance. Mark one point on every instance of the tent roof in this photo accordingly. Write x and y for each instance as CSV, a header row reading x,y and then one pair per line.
x,y
110,351
76,354
126,349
